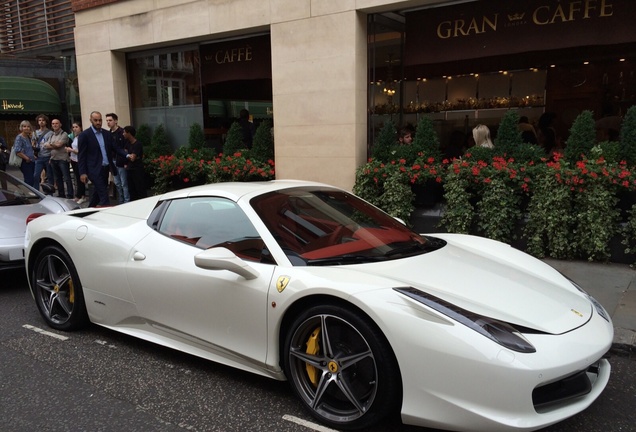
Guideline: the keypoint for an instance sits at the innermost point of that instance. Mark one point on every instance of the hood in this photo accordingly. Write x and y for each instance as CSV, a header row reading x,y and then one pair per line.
x,y
494,280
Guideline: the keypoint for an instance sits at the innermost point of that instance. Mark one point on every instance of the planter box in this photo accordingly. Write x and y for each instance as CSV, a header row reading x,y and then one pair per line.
x,y
427,221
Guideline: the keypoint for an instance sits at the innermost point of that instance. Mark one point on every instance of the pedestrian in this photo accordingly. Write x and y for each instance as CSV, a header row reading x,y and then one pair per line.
x,y
247,128
528,132
95,148
135,166
80,187
405,136
60,160
43,156
481,135
120,176
24,150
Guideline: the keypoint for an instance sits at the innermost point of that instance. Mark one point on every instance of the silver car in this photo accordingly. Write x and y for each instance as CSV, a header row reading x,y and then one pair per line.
x,y
19,203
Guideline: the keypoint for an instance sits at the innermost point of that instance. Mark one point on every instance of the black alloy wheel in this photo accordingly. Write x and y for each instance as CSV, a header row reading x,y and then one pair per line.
x,y
341,367
57,290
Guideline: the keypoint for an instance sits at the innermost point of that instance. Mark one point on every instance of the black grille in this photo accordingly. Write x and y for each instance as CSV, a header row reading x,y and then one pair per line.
x,y
567,388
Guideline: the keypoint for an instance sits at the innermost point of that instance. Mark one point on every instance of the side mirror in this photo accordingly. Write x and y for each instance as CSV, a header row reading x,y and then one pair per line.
x,y
220,258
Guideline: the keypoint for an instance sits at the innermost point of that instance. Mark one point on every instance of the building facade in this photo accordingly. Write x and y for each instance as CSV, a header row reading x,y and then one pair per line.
x,y
37,63
331,72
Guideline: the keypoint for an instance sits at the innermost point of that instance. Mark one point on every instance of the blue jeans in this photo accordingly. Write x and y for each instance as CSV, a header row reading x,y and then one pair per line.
x,y
42,164
62,174
121,183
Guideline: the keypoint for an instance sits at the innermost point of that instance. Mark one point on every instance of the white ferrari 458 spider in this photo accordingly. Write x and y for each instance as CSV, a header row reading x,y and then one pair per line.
x,y
306,282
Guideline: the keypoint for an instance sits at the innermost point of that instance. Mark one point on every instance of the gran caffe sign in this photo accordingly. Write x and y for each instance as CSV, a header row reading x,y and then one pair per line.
x,y
499,27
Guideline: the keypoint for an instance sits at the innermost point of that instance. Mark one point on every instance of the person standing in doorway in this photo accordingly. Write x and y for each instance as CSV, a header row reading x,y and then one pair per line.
x,y
80,187
247,128
60,161
135,166
95,149
119,158
42,155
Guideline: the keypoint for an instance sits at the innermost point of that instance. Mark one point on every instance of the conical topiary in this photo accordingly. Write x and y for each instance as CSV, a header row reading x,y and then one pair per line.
x,y
159,142
233,140
508,135
426,140
144,135
582,137
196,138
263,145
386,142
628,137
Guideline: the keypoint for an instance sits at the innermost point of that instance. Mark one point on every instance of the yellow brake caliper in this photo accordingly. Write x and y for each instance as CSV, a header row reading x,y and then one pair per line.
x,y
71,291
313,348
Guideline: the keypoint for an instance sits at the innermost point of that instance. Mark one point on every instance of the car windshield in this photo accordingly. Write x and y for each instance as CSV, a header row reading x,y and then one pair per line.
x,y
12,192
332,227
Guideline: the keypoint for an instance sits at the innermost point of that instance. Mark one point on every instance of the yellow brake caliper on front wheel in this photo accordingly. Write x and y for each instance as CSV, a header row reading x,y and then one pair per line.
x,y
71,291
313,348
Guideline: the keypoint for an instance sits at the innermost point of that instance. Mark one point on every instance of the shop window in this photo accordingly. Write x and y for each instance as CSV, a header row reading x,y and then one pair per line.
x,y
165,79
165,88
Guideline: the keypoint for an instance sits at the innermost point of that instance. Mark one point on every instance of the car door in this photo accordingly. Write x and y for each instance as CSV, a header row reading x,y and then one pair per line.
x,y
218,310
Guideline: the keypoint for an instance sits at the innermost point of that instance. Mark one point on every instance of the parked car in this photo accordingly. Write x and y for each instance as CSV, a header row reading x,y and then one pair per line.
x,y
18,203
306,282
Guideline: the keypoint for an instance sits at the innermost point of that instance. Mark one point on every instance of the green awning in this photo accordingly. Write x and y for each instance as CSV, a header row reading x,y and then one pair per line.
x,y
20,95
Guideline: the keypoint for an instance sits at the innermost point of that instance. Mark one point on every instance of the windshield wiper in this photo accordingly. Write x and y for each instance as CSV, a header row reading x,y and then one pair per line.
x,y
415,247
345,259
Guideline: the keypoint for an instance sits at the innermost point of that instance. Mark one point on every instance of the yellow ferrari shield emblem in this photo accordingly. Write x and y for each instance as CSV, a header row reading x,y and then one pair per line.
x,y
281,283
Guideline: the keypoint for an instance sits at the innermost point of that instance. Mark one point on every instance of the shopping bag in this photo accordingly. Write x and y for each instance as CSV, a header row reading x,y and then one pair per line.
x,y
14,159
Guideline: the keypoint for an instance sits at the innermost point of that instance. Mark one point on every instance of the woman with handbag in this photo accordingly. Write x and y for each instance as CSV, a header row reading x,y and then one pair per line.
x,y
24,150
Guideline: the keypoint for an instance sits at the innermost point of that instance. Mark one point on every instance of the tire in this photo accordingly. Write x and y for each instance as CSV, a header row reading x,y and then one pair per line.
x,y
57,290
348,379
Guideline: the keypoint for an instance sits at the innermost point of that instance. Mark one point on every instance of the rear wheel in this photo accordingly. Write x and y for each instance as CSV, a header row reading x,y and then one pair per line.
x,y
57,290
341,367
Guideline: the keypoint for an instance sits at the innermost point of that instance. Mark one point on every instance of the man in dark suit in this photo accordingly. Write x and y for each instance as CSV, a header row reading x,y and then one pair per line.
x,y
95,150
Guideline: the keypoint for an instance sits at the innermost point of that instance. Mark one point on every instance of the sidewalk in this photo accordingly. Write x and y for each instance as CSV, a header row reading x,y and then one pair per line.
x,y
614,286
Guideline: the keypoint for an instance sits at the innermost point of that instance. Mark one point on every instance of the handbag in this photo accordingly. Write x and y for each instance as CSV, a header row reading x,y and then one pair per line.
x,y
14,159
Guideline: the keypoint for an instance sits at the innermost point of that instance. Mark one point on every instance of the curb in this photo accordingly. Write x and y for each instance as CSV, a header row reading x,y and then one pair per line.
x,y
624,343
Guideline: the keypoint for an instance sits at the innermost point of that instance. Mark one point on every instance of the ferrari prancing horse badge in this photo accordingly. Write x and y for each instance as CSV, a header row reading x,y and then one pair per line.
x,y
282,282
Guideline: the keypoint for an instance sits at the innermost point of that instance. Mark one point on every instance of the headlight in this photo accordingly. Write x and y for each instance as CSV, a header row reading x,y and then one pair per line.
x,y
599,308
498,331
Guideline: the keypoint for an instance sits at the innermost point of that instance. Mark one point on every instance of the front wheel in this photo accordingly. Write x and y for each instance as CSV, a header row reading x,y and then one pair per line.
x,y
341,367
57,290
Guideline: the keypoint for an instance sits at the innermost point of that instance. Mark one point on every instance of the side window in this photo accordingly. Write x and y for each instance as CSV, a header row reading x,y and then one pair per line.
x,y
206,222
